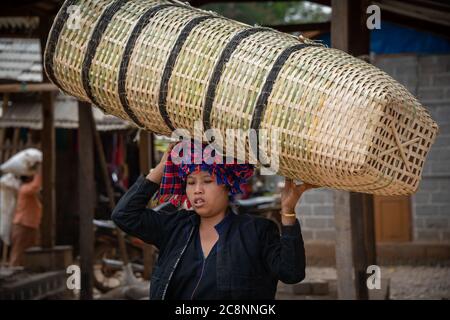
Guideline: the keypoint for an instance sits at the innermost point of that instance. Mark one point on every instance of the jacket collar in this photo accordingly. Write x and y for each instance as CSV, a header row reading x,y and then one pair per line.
x,y
221,226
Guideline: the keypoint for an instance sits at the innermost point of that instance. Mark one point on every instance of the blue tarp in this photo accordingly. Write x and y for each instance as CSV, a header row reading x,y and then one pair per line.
x,y
393,38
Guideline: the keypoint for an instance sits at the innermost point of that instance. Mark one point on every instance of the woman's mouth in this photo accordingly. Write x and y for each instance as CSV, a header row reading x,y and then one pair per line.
x,y
199,203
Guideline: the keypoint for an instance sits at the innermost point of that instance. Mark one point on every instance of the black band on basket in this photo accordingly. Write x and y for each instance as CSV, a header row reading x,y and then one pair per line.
x,y
167,73
218,70
52,41
94,41
144,20
261,102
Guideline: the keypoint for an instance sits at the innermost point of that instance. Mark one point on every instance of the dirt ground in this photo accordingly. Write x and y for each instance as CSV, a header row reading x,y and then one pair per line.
x,y
406,282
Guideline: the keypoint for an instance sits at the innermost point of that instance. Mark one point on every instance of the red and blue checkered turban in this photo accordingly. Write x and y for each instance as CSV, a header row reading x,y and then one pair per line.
x,y
230,173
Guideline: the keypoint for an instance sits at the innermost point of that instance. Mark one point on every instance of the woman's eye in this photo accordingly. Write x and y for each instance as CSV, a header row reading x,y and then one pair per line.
x,y
208,181
190,182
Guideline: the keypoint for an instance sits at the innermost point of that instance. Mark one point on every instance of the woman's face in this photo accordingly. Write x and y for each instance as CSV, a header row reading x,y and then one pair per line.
x,y
206,196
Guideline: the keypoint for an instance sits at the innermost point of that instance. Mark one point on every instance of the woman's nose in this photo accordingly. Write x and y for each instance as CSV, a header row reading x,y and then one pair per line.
x,y
198,188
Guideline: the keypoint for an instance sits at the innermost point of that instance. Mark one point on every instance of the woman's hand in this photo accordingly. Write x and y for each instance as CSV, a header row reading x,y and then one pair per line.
x,y
156,173
290,195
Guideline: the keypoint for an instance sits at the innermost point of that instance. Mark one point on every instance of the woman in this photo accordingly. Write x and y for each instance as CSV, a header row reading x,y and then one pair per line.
x,y
210,252
27,217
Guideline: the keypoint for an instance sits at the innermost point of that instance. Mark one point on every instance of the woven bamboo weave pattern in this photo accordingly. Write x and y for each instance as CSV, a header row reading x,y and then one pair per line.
x,y
342,122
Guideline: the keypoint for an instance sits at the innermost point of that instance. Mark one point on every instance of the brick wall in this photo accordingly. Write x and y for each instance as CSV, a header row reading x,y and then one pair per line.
x,y
316,214
428,78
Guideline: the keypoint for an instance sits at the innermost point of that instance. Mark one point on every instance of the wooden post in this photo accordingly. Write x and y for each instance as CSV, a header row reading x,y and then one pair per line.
x,y
48,151
87,198
15,142
4,262
146,162
7,149
363,247
348,26
48,172
355,236
2,130
109,188
344,254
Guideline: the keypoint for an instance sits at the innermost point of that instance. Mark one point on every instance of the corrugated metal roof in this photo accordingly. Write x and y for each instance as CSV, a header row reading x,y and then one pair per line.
x,y
20,60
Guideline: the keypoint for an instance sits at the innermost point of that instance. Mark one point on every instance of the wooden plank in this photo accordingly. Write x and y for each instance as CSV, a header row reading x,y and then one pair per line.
x,y
344,259
393,218
355,235
146,162
48,172
27,87
86,198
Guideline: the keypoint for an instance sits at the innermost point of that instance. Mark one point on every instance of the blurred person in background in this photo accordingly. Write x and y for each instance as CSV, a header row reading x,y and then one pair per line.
x,y
27,217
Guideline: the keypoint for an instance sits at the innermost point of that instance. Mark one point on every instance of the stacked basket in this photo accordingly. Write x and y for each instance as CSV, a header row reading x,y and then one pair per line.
x,y
342,122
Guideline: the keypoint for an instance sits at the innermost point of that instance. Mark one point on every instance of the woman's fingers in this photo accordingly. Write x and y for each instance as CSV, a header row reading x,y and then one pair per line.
x,y
171,145
304,187
288,184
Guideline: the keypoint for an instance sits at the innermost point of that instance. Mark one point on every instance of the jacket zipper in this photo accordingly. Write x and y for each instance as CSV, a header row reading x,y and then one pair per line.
x,y
176,263
200,279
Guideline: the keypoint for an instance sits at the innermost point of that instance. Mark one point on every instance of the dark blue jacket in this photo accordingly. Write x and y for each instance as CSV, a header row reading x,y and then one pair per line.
x,y
252,258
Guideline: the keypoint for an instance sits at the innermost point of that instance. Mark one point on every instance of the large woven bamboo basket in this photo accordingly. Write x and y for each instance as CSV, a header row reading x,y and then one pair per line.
x,y
162,65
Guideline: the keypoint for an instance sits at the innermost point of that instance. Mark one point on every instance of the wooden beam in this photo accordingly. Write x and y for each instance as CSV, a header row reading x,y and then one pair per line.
x,y
422,12
403,17
415,23
48,171
302,27
146,162
44,8
86,198
199,3
27,87
355,236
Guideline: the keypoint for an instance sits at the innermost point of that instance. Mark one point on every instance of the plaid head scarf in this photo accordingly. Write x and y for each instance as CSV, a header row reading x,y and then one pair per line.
x,y
200,157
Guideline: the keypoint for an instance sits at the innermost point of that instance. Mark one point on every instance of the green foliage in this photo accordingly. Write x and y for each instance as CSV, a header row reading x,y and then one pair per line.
x,y
271,12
